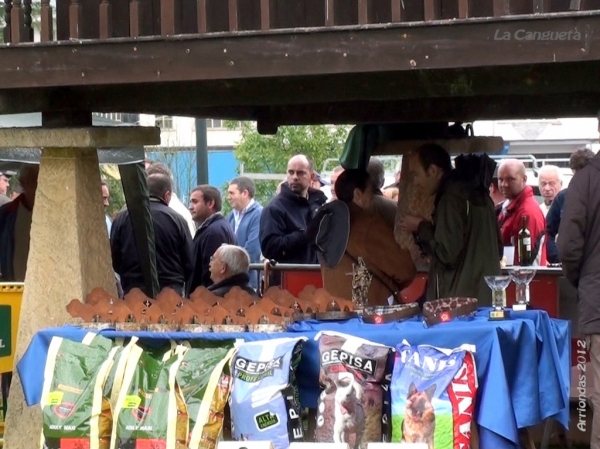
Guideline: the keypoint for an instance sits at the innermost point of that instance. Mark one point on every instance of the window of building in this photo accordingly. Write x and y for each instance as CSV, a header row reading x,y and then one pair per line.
x,y
164,122
214,123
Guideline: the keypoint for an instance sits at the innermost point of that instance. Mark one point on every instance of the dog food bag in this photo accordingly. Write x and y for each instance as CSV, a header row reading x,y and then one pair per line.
x,y
75,411
204,377
433,395
354,405
264,402
150,410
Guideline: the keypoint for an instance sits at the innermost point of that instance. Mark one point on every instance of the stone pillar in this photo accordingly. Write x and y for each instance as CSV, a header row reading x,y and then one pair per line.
x,y
69,251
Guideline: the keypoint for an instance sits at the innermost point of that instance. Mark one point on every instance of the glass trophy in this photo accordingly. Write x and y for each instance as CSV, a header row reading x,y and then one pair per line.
x,y
498,286
522,277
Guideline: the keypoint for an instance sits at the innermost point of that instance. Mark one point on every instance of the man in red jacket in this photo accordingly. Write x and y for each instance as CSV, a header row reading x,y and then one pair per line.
x,y
512,180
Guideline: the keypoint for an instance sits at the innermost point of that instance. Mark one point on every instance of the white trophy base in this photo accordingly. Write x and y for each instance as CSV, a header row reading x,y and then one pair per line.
x,y
519,307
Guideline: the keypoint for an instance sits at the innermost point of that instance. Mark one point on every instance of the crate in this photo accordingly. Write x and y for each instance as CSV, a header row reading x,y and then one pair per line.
x,y
11,295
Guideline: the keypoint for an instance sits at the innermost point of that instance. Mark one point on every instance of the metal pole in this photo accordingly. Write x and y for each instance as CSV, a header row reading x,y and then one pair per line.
x,y
201,151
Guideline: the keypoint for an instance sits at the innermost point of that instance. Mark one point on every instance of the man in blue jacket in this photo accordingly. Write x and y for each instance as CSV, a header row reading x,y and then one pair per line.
x,y
577,161
245,219
284,220
213,230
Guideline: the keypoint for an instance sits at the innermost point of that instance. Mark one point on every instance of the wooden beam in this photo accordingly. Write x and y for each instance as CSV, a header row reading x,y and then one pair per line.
x,y
576,5
46,22
202,17
16,22
106,29
168,18
396,10
265,15
75,19
501,7
341,51
540,6
135,18
463,9
233,15
432,10
329,13
363,12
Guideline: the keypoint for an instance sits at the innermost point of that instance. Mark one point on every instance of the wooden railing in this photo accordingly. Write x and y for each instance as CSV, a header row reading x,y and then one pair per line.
x,y
106,19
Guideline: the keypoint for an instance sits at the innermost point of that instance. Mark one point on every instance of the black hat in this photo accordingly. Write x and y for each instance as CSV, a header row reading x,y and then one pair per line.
x,y
329,231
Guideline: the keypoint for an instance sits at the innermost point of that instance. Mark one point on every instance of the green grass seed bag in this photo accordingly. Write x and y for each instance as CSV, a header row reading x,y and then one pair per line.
x,y
150,410
76,413
205,380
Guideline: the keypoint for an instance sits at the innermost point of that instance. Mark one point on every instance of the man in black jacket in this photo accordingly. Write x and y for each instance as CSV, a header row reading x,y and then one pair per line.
x,y
172,241
213,231
284,220
229,268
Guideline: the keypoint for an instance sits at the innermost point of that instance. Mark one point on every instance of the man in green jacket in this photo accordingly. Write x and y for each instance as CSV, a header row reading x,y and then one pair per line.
x,y
463,239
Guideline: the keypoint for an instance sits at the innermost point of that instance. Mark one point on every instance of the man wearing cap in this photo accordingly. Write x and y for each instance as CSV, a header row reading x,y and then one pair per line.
x,y
15,224
4,184
318,182
346,230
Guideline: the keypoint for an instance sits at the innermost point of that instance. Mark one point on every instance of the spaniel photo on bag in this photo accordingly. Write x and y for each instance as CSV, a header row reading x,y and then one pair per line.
x,y
433,396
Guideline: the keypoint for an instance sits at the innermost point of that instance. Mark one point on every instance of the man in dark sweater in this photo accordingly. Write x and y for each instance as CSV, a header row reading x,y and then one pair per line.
x,y
213,231
171,236
284,220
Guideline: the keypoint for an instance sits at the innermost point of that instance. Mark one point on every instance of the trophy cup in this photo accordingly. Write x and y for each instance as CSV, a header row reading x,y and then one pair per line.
x,y
498,286
522,277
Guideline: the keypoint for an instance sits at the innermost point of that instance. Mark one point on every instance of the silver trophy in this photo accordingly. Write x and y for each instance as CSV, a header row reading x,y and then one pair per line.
x,y
498,286
522,276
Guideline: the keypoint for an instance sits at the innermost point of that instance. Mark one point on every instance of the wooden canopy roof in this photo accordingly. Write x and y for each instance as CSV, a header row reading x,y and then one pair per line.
x,y
308,61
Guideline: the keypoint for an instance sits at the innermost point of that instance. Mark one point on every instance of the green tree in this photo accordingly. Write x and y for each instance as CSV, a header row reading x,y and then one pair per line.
x,y
270,154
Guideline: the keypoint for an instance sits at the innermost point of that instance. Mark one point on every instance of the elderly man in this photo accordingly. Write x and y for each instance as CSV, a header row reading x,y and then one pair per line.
x,y
228,269
550,183
512,180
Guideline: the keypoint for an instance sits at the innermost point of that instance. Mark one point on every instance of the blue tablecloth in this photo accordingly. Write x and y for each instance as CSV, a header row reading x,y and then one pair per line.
x,y
523,364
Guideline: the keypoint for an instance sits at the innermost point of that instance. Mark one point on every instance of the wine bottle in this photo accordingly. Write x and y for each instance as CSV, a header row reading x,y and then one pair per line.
x,y
524,243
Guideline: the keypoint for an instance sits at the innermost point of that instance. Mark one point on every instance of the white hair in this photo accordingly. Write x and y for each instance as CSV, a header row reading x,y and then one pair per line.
x,y
550,170
236,258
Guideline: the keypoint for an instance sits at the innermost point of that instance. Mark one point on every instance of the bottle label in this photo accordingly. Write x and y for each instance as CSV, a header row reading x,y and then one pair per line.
x,y
527,242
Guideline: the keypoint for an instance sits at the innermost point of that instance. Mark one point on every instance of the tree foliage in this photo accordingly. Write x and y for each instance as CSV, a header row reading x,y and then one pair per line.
x,y
270,154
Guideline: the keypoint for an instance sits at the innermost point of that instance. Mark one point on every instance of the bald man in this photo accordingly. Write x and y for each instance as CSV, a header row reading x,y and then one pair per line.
x,y
284,220
512,180
550,183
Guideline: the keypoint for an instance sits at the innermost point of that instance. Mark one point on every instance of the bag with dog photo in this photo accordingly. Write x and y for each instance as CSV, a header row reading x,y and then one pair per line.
x,y
433,395
354,405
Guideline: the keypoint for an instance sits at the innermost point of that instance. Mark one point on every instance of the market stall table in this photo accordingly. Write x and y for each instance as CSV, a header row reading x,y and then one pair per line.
x,y
523,364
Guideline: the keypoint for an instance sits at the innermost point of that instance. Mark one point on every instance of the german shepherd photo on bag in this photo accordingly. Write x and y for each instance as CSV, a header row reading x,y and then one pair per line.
x,y
433,396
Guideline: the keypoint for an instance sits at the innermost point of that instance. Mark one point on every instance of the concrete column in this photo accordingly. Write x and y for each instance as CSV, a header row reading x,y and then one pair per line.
x,y
69,251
